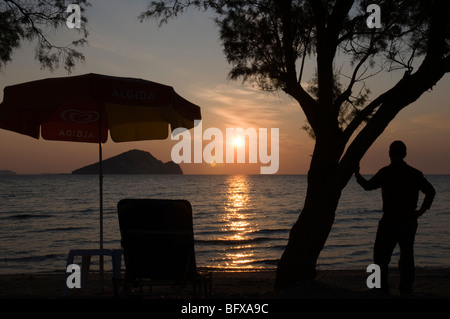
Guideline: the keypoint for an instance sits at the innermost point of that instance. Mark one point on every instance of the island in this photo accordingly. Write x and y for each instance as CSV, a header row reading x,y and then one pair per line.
x,y
131,162
7,172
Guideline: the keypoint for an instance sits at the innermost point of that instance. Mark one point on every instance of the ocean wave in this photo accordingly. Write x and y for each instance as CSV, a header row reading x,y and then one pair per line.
x,y
89,210
273,231
31,259
26,216
225,241
59,229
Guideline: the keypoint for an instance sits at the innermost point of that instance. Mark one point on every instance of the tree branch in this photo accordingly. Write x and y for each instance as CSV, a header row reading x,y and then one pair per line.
x,y
33,17
362,116
337,17
346,94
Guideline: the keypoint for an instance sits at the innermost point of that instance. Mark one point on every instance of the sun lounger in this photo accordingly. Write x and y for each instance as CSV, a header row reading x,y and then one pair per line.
x,y
157,240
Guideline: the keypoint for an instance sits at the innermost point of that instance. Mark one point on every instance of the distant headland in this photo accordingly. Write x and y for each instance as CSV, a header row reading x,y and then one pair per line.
x,y
132,162
7,172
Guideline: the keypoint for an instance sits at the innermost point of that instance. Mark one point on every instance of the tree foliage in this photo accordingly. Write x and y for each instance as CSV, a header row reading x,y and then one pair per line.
x,y
266,42
22,20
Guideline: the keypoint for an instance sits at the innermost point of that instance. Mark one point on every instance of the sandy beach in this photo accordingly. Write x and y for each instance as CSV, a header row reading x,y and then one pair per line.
x,y
330,284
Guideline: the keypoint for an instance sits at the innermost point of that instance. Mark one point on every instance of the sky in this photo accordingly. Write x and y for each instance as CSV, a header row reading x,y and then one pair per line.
x,y
186,53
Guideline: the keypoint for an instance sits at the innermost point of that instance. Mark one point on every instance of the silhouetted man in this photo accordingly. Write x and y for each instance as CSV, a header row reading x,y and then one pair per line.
x,y
400,185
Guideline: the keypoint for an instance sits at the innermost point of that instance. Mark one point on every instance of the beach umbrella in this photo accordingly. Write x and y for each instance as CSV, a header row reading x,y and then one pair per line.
x,y
85,108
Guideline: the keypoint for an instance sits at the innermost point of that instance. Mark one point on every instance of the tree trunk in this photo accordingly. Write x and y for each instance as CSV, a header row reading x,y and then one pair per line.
x,y
307,237
310,232
306,240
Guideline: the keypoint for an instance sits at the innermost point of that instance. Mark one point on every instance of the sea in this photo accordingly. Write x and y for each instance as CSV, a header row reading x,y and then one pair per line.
x,y
241,222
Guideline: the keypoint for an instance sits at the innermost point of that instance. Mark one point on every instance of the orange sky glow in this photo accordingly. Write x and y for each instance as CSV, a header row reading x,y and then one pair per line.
x,y
187,55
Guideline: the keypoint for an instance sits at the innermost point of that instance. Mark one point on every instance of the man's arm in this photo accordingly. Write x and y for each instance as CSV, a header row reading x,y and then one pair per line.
x,y
429,192
373,183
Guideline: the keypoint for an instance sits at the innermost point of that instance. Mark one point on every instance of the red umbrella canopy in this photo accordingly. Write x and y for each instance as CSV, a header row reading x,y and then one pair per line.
x,y
71,109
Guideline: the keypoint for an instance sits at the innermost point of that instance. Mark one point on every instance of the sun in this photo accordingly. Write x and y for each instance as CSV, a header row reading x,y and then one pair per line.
x,y
238,141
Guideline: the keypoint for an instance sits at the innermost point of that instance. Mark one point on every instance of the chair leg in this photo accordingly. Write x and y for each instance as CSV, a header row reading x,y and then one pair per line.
x,y
194,289
115,287
203,286
85,265
207,284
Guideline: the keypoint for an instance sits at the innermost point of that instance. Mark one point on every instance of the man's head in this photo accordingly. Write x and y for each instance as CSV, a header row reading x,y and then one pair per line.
x,y
397,151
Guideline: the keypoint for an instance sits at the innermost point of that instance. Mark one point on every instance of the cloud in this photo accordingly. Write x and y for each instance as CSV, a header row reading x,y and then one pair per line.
x,y
243,107
425,123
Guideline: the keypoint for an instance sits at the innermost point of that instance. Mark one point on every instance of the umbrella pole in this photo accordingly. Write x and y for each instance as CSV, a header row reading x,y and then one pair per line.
x,y
101,193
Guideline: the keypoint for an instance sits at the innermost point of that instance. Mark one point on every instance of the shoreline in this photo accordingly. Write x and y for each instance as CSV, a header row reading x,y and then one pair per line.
x,y
430,283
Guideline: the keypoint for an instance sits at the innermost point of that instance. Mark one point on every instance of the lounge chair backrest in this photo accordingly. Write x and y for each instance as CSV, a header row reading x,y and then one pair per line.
x,y
157,239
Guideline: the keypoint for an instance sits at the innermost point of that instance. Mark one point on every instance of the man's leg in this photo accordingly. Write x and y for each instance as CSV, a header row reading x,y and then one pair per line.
x,y
406,264
385,243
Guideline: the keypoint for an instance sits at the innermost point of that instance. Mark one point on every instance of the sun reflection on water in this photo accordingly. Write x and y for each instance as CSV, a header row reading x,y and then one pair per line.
x,y
238,223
